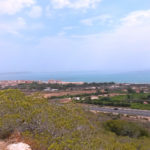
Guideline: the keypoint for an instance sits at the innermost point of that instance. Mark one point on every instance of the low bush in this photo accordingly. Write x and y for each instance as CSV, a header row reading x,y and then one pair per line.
x,y
124,128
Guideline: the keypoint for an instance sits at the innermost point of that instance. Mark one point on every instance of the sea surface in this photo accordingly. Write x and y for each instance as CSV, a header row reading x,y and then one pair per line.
x,y
130,77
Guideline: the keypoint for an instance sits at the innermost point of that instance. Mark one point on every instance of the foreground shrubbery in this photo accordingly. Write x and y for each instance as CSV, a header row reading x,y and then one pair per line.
x,y
124,128
58,127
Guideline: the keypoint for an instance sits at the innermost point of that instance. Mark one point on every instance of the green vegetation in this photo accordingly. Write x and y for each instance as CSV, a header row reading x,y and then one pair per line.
x,y
124,128
39,87
134,100
140,106
62,127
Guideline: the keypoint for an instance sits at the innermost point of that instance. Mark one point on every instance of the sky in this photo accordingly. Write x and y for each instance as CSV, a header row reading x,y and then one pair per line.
x,y
74,35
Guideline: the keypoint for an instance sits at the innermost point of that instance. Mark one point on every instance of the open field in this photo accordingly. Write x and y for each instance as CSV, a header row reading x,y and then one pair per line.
x,y
65,93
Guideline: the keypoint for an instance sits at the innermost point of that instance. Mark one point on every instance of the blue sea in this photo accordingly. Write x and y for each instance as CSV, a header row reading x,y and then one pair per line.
x,y
91,76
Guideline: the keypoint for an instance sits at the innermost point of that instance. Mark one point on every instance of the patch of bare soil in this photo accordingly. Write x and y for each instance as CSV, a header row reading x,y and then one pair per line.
x,y
63,93
3,145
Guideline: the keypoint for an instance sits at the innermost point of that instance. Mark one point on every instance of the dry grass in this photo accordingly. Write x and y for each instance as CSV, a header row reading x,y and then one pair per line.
x,y
63,93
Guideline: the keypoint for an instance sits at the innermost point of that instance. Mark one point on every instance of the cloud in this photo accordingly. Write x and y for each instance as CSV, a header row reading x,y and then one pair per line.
x,y
35,12
18,25
11,7
75,4
98,19
13,27
125,48
137,18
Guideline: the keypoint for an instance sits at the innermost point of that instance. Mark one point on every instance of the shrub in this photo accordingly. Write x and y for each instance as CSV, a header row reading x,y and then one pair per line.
x,y
124,128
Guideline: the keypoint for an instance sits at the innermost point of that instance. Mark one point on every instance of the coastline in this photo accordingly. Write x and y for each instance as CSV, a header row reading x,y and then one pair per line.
x,y
89,77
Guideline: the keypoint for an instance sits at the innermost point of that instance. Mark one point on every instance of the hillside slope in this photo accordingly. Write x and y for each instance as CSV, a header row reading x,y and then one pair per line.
x,y
46,126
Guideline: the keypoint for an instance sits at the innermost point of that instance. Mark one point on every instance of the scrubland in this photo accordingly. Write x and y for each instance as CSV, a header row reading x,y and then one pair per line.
x,y
54,126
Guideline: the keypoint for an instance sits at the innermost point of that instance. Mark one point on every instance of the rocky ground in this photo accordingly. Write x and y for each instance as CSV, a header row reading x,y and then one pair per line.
x,y
3,145
14,146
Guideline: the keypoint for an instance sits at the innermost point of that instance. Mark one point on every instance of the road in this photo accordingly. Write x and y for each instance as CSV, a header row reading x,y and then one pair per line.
x,y
135,112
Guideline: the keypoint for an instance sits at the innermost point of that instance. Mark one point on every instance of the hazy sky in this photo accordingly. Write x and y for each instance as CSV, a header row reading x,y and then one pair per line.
x,y
74,35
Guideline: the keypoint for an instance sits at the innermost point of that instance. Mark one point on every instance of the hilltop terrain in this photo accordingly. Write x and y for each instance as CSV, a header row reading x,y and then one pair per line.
x,y
54,126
